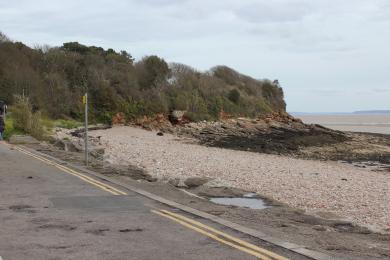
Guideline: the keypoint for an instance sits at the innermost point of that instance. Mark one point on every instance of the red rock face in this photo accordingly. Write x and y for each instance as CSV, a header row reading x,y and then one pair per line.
x,y
119,119
223,115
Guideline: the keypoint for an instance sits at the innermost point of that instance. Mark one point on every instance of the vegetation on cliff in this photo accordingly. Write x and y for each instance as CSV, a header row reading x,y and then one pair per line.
x,y
55,78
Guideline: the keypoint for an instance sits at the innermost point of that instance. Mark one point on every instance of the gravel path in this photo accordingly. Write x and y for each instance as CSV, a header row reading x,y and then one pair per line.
x,y
359,195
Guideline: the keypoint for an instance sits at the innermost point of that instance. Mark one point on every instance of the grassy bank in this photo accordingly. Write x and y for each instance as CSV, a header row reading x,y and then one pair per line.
x,y
10,128
23,120
47,125
67,123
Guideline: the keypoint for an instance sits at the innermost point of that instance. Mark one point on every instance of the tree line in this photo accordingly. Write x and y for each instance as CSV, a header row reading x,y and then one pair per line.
x,y
55,79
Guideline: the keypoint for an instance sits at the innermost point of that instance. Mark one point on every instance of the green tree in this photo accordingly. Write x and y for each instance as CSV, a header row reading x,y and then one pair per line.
x,y
234,96
153,72
55,79
3,37
75,47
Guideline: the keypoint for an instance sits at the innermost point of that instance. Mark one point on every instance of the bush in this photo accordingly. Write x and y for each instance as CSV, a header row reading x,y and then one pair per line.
x,y
67,123
36,129
196,117
9,128
22,114
234,96
262,107
106,117
25,120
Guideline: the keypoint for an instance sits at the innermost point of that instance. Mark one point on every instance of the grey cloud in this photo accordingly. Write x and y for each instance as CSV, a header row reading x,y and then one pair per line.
x,y
327,92
161,2
381,90
309,45
264,12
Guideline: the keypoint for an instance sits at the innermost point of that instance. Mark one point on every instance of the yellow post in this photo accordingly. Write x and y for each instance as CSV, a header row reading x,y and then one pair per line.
x,y
85,103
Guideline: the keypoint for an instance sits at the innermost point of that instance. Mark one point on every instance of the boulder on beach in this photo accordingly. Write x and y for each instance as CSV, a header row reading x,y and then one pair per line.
x,y
176,116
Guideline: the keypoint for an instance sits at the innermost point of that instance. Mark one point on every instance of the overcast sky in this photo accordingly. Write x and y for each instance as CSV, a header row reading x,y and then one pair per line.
x,y
328,55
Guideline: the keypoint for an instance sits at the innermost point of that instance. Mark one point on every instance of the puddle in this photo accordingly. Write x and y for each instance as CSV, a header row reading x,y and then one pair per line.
x,y
247,202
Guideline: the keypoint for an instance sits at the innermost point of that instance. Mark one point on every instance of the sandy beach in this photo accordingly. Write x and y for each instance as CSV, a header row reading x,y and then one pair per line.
x,y
359,195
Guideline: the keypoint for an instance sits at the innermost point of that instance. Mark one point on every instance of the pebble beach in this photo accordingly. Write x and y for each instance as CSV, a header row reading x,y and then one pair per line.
x,y
356,194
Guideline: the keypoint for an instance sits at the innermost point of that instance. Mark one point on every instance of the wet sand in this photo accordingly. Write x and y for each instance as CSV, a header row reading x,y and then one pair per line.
x,y
350,122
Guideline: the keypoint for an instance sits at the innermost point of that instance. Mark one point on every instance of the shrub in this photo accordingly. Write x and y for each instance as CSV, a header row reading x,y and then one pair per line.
x,y
106,117
25,120
36,129
9,128
196,117
261,107
67,123
22,114
234,95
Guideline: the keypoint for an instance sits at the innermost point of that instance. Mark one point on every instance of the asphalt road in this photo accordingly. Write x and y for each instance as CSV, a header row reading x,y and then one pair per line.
x,y
48,211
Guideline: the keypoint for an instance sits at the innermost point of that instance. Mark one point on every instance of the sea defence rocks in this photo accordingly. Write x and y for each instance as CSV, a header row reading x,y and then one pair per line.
x,y
67,146
72,140
177,116
276,134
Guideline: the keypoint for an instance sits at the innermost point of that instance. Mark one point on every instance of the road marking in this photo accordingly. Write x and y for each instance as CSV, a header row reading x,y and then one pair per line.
x,y
90,180
234,242
246,250
69,171
81,176
237,240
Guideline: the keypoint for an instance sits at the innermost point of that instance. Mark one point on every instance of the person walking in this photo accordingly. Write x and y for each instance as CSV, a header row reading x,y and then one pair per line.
x,y
2,127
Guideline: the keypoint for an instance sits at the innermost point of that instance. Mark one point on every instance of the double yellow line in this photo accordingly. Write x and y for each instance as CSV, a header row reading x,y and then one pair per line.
x,y
187,222
83,177
220,236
